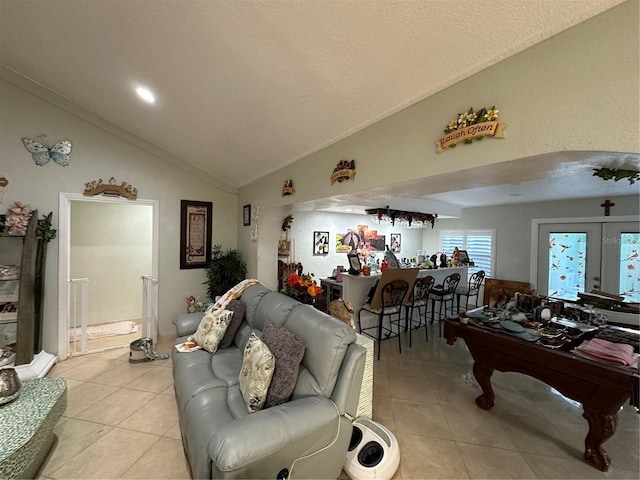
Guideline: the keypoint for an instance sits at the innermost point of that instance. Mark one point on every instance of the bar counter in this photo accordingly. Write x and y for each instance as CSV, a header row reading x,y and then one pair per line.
x,y
356,287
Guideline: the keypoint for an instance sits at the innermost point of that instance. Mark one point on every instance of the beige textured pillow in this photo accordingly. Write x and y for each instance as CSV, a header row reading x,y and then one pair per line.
x,y
258,364
212,327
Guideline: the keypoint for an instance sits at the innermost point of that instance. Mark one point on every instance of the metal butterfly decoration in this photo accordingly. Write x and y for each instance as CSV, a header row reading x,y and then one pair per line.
x,y
41,153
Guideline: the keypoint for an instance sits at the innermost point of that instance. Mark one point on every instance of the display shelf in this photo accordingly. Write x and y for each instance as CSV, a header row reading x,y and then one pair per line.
x,y
22,250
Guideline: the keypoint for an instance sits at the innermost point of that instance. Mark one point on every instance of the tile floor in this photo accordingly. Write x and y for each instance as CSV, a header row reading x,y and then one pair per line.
x,y
121,420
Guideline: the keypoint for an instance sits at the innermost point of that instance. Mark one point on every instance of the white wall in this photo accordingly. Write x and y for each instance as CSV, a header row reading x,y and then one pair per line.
x,y
305,223
102,150
578,90
111,245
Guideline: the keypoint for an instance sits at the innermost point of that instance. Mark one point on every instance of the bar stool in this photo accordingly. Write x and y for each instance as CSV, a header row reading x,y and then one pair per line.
x,y
472,290
420,300
392,296
443,293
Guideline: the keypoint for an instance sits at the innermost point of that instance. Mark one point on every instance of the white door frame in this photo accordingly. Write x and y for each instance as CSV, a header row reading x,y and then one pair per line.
x,y
64,254
536,222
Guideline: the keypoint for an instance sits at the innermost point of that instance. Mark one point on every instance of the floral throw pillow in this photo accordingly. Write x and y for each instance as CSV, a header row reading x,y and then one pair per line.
x,y
211,330
258,364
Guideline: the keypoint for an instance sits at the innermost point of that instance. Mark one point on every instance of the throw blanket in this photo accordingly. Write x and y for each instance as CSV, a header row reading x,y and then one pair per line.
x,y
599,349
233,293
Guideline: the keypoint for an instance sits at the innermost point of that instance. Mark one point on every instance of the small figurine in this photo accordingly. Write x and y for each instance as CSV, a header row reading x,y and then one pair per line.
x,y
455,257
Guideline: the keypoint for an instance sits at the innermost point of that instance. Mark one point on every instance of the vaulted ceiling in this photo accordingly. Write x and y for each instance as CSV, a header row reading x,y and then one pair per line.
x,y
244,88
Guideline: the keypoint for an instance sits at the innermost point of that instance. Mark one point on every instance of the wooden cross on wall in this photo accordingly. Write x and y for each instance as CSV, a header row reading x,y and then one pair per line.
x,y
607,207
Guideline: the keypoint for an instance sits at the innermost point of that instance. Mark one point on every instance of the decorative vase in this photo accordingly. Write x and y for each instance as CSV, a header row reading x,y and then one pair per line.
x,y
9,385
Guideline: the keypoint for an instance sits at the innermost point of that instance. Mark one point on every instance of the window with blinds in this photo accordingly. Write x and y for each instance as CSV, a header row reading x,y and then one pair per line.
x,y
479,244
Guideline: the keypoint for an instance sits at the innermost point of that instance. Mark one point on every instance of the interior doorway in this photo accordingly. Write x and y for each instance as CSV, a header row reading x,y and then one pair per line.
x,y
107,244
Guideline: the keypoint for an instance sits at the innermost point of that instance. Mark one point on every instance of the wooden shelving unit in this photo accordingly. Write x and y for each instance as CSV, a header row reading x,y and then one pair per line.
x,y
23,289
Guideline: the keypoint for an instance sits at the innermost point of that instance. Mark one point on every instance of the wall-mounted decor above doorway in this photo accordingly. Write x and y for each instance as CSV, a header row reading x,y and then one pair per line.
x,y
110,189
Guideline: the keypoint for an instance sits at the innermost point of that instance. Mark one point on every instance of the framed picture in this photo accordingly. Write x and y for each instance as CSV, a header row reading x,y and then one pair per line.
x,y
246,215
195,233
463,256
320,243
284,248
354,263
396,244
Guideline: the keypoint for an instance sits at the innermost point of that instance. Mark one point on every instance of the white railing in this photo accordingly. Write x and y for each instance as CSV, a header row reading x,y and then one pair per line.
x,y
149,304
79,300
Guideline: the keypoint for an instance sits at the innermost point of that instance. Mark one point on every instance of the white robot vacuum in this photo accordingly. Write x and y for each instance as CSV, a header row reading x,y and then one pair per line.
x,y
373,452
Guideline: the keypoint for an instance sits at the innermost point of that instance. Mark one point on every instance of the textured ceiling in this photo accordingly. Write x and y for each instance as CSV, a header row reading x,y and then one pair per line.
x,y
246,87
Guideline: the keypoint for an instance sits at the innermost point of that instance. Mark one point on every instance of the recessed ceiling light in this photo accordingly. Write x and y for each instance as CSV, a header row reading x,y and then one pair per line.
x,y
348,210
145,94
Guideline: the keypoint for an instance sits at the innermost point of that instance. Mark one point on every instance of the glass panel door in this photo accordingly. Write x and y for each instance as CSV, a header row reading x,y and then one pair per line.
x,y
581,257
621,260
568,259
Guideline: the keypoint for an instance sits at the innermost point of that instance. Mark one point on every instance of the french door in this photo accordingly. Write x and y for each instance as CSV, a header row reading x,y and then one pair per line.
x,y
580,257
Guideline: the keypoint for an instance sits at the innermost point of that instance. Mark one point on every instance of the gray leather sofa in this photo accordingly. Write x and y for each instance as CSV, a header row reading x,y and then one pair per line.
x,y
308,436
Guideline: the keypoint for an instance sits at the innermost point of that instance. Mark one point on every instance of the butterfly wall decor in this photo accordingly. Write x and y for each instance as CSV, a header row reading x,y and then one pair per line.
x,y
42,153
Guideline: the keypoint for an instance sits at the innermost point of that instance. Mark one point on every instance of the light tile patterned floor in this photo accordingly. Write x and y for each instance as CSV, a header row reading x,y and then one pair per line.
x,y
121,421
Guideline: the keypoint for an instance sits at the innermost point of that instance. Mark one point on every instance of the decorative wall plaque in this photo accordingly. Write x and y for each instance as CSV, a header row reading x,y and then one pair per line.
x,y
42,153
287,188
470,126
345,170
98,187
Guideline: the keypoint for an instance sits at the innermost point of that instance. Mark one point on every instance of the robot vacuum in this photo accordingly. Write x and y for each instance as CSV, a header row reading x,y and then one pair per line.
x,y
373,451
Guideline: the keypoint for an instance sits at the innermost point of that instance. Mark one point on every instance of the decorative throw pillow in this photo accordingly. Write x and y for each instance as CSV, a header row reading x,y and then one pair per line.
x,y
288,350
212,327
258,364
237,307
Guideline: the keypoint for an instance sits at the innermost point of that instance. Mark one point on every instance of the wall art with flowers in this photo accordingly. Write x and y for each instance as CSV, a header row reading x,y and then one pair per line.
x,y
470,126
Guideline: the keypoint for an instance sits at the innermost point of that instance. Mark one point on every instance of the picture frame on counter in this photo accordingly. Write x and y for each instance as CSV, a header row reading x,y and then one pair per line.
x,y
354,263
320,243
463,256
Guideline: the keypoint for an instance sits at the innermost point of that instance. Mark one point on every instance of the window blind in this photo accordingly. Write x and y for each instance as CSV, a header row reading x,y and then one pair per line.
x,y
479,245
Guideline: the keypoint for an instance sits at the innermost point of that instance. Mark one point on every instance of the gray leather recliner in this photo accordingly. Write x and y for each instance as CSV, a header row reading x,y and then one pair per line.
x,y
308,436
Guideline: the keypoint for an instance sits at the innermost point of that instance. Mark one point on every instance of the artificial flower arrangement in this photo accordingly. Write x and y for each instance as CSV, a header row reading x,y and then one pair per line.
x,y
469,118
302,287
17,218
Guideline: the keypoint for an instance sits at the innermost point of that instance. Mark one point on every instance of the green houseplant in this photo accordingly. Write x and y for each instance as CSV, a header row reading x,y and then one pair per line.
x,y
224,271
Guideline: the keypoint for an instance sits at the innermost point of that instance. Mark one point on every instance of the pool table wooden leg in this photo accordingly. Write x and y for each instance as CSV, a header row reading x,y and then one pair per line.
x,y
601,428
483,376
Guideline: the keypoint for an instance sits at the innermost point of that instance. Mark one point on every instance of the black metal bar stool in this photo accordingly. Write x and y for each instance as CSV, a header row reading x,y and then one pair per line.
x,y
444,294
472,290
419,301
392,295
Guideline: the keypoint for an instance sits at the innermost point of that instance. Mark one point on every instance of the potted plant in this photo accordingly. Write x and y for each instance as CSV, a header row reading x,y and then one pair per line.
x,y
224,271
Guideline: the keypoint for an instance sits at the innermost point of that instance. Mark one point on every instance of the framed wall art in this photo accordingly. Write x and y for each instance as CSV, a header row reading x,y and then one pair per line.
x,y
354,263
320,243
396,242
195,233
246,215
